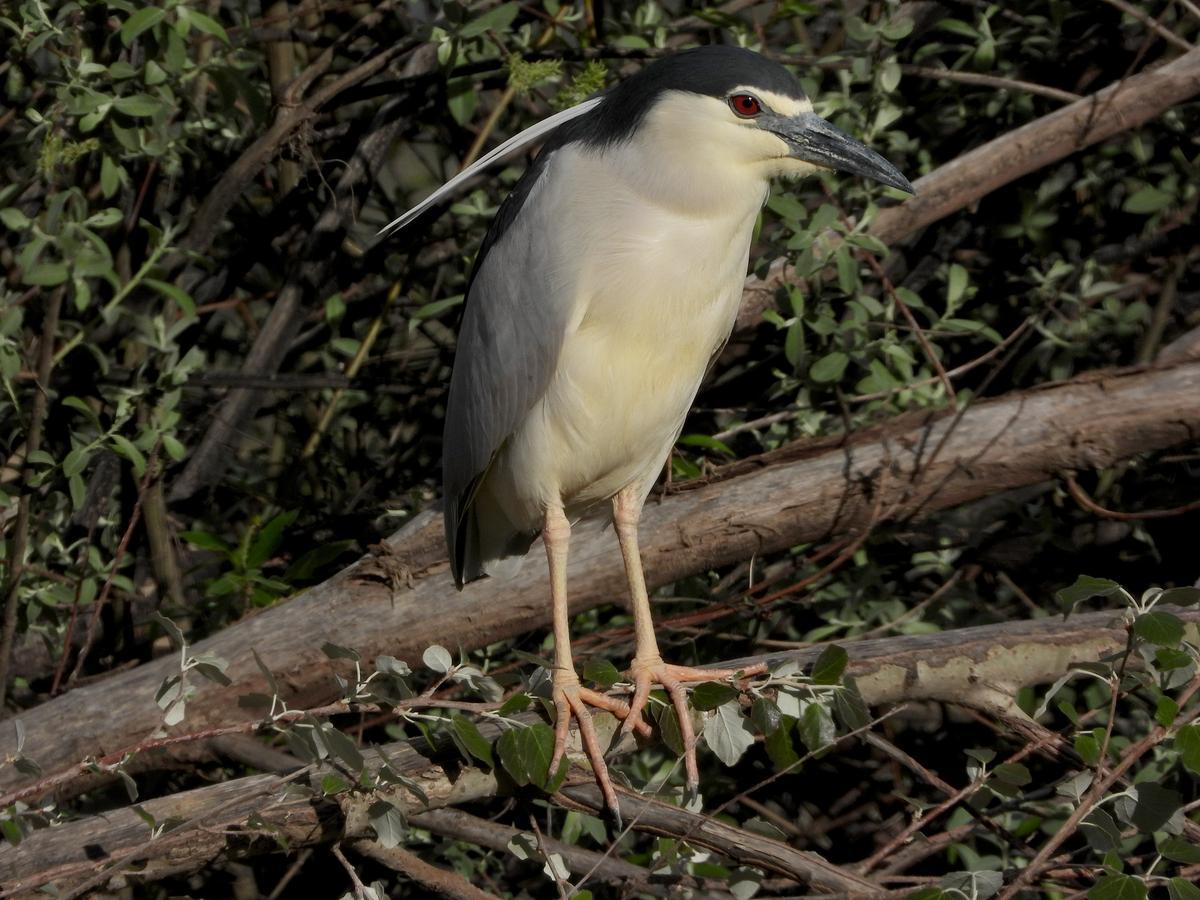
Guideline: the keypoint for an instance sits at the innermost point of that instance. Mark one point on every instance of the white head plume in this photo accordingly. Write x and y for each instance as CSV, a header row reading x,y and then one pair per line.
x,y
517,142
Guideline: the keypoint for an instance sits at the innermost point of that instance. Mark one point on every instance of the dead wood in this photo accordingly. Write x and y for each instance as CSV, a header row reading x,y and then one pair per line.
x,y
967,665
403,601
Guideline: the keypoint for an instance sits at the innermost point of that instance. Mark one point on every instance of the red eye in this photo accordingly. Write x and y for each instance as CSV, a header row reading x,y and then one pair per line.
x,y
745,105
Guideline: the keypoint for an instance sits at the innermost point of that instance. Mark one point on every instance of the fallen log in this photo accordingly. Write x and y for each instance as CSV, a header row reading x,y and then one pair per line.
x,y
404,601
970,666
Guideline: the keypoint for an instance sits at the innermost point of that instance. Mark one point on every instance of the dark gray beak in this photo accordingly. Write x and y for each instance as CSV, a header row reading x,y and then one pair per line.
x,y
814,140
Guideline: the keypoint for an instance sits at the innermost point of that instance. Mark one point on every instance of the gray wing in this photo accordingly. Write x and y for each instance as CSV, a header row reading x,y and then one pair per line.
x,y
508,346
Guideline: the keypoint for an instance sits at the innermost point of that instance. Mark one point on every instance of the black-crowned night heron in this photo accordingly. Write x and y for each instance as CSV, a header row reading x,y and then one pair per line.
x,y
607,284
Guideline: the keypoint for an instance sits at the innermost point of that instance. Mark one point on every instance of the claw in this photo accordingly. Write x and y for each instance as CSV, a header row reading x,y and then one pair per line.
x,y
644,673
570,700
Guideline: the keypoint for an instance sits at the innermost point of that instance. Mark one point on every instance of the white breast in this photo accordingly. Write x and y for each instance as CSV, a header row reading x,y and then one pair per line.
x,y
654,293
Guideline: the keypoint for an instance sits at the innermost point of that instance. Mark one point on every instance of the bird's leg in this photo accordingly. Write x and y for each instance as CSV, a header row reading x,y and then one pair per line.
x,y
648,668
569,696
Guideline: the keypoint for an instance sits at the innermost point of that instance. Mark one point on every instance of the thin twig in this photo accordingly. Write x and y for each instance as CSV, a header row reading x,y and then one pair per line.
x,y
438,881
360,889
1085,500
1153,24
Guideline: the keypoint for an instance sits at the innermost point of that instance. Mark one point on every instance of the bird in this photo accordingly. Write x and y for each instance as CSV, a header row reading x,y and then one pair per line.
x,y
606,286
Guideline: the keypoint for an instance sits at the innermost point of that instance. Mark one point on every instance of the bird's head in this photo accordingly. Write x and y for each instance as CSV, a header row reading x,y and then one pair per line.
x,y
727,109
695,131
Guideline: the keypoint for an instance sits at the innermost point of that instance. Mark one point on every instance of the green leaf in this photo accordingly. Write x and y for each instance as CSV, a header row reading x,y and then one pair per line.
x,y
388,823
766,716
956,286
1112,886
816,727
333,651
145,18
1159,628
1155,805
438,658
706,442
180,297
602,672
1146,200
668,727
46,274
126,448
14,219
332,783
847,270
850,707
105,218
170,628
727,733
1088,747
1013,773
779,746
497,19
76,461
205,541
1180,596
140,106
525,753
830,665
514,704
202,22
711,694
1187,744
11,831
1084,588
475,743
1102,832
461,99
1182,889
1165,711
342,747
977,885
268,539
1180,850
829,368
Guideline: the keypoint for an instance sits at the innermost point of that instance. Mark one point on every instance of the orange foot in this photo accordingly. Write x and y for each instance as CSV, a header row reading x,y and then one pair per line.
x,y
571,700
644,673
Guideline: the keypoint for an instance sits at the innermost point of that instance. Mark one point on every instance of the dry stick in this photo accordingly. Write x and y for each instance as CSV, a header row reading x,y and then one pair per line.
x,y
1153,24
442,882
992,81
19,544
461,826
360,889
656,817
1084,499
1135,752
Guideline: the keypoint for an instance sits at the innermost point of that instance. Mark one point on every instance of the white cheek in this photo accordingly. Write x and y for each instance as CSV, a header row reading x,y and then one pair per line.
x,y
793,169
